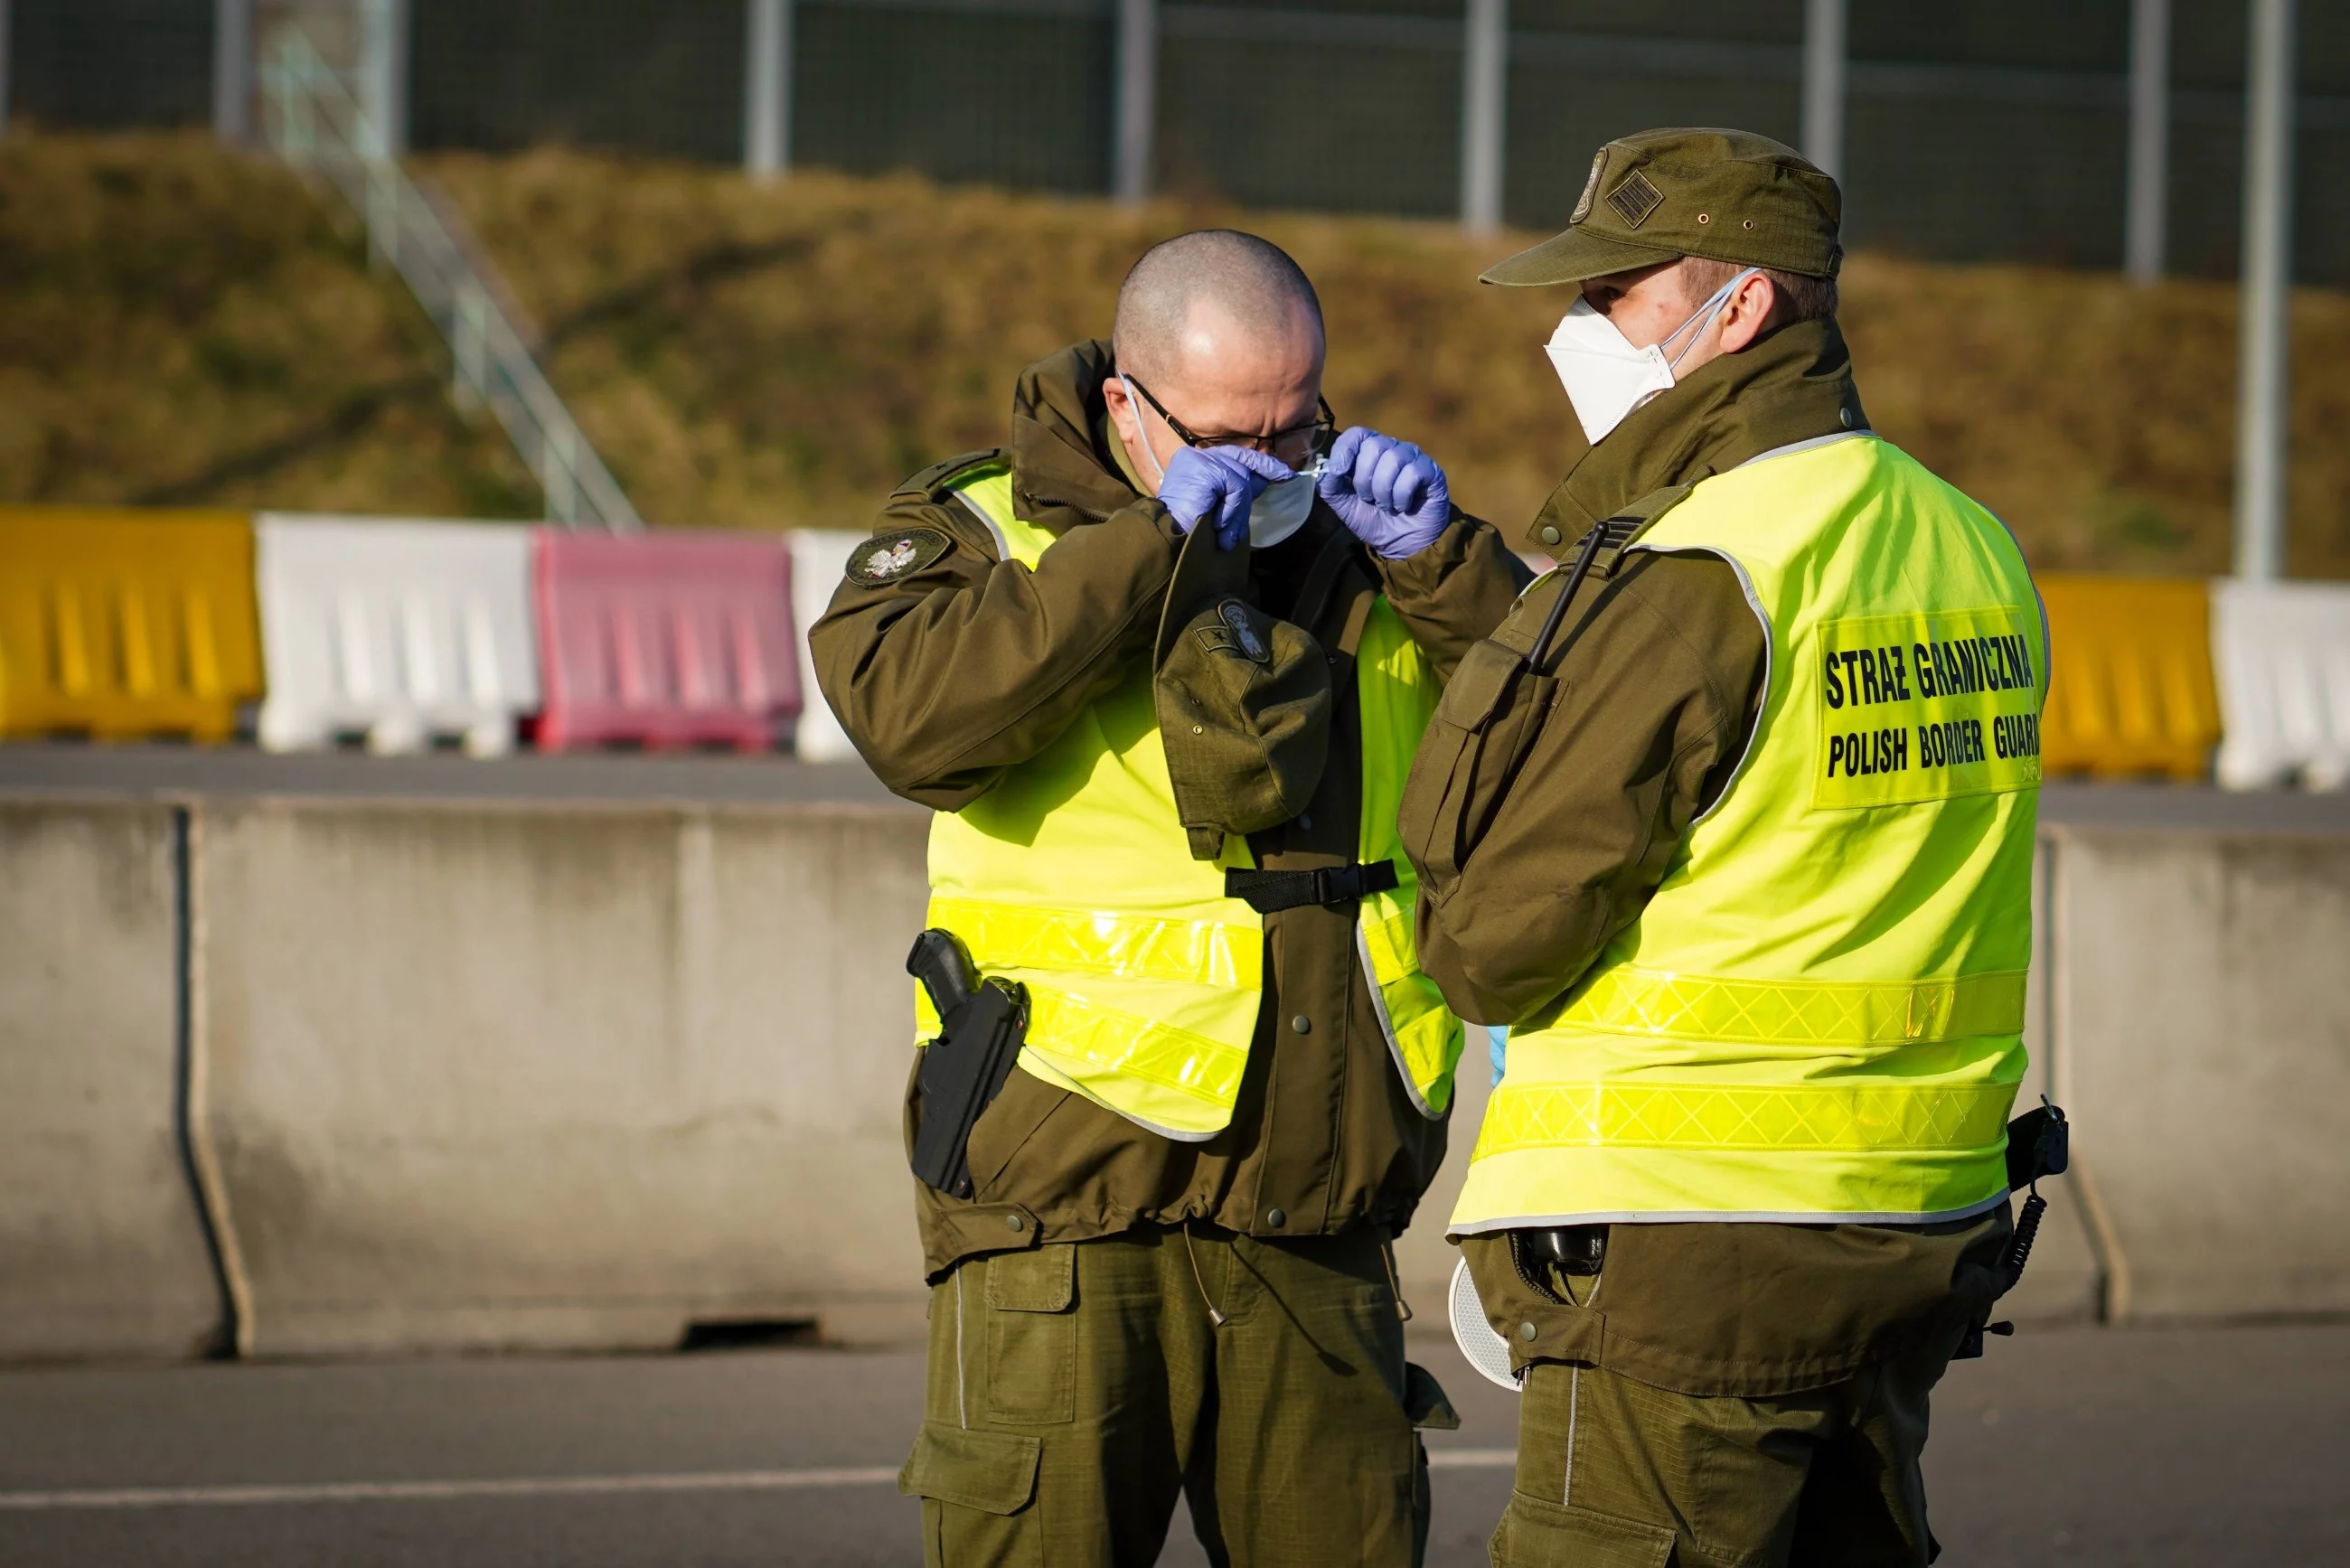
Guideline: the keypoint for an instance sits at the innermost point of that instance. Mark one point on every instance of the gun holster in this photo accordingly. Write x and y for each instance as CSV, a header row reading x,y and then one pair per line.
x,y
981,1026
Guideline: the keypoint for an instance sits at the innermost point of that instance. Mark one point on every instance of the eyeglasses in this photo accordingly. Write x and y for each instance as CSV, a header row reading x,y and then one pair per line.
x,y
1297,446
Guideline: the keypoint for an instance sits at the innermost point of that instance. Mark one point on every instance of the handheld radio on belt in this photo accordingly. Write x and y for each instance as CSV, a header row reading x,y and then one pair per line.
x,y
981,1027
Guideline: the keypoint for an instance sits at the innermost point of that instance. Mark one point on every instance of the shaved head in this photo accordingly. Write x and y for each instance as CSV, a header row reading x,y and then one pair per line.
x,y
1250,283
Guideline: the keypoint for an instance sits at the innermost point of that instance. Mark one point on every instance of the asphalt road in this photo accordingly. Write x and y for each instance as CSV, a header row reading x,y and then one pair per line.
x,y
2103,1446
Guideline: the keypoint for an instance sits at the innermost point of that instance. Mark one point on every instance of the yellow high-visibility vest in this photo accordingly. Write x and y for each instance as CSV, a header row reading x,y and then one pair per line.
x,y
1819,1015
1074,875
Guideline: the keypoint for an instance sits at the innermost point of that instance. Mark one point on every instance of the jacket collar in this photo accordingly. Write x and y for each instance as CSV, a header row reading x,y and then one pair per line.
x,y
1795,385
1065,453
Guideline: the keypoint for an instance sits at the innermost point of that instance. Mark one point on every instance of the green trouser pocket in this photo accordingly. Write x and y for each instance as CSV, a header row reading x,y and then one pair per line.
x,y
1031,1334
1425,1401
978,1492
1536,1533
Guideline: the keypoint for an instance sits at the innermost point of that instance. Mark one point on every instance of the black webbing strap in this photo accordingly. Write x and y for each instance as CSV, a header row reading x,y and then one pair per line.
x,y
1269,892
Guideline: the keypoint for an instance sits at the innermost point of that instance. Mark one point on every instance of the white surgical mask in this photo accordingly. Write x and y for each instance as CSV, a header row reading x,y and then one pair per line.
x,y
1280,509
1605,377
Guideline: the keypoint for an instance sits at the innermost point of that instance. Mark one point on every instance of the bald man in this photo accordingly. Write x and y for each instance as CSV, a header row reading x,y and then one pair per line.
x,y
1159,665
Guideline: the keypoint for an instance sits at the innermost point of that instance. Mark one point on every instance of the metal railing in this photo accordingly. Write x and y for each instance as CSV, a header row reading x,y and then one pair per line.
x,y
316,122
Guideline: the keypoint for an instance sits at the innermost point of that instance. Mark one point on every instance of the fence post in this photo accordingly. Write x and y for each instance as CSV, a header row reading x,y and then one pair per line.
x,y
2148,208
767,90
1136,108
233,70
1823,85
383,76
1484,113
2264,365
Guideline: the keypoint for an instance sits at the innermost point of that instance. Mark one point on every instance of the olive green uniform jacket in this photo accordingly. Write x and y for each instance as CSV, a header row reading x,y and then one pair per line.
x,y
1660,663
955,672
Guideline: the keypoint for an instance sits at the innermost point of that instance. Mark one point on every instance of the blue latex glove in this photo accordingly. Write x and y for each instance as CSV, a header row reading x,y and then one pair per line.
x,y
1388,493
1218,481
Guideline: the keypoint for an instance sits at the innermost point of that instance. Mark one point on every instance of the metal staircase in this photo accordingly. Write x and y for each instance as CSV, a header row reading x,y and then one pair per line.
x,y
315,121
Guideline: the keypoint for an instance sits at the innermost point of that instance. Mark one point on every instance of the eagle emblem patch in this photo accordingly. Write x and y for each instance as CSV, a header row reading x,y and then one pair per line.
x,y
1590,187
886,557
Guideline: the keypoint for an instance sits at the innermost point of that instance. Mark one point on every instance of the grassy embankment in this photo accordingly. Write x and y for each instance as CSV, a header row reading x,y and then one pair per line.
x,y
179,325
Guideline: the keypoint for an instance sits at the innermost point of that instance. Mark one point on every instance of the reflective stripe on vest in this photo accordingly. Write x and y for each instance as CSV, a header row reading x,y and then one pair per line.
x,y
1819,1015
1073,875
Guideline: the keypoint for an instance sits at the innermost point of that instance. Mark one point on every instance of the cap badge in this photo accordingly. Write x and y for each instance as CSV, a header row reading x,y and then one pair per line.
x,y
1590,187
1635,198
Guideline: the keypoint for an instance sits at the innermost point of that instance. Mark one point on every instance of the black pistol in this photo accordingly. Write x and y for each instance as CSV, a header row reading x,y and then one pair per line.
x,y
981,1027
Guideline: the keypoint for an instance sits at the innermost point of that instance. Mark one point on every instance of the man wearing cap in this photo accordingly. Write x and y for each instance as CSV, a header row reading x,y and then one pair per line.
x,y
1732,823
1161,685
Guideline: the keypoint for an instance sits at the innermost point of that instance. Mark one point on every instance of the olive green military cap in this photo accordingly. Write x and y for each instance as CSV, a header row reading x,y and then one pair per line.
x,y
1243,700
1728,196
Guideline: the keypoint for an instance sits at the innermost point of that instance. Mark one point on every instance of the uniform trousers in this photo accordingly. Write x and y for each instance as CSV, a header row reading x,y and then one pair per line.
x,y
1615,1473
1075,1389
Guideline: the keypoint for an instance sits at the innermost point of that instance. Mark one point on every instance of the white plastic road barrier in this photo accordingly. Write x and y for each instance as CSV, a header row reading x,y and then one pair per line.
x,y
400,630
2282,651
817,558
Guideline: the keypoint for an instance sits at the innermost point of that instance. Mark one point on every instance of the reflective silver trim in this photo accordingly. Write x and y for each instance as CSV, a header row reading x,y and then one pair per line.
x,y
1711,1217
1808,443
1002,544
1574,1399
1387,1026
962,1416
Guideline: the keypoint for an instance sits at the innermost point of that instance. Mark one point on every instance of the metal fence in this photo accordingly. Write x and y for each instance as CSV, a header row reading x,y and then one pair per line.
x,y
1996,129
2197,136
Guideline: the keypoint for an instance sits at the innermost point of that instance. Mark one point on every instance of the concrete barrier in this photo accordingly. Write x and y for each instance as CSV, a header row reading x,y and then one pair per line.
x,y
493,1076
577,1072
2203,1026
101,1251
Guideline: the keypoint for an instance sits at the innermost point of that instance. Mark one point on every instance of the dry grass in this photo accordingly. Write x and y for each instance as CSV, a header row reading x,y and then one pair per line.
x,y
178,325
771,357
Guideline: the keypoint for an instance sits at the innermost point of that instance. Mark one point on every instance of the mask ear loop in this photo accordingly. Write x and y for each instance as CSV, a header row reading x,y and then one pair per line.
x,y
1136,404
1704,317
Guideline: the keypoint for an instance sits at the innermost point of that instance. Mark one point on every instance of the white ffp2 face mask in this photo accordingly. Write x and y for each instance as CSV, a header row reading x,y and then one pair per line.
x,y
1605,377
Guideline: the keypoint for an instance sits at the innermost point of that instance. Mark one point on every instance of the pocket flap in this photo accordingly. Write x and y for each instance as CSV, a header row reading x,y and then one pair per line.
x,y
1535,1530
1479,684
1425,1402
1043,1281
995,1472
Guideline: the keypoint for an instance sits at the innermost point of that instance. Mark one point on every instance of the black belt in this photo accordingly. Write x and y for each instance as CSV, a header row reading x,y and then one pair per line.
x,y
1268,892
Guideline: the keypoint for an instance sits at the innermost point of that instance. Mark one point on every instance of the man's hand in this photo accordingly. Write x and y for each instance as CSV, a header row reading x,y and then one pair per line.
x,y
1218,481
1390,494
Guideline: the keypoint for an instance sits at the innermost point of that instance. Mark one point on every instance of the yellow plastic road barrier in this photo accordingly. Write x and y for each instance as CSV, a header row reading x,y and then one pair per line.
x,y
2131,692
117,624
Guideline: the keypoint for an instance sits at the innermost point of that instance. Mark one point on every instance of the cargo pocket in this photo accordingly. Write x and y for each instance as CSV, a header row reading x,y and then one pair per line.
x,y
1485,722
1031,1334
978,1492
1539,1534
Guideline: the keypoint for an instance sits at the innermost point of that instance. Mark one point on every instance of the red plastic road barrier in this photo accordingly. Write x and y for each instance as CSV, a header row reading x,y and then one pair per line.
x,y
664,639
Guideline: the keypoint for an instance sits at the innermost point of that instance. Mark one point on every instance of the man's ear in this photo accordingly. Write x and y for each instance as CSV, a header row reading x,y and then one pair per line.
x,y
1124,417
1746,318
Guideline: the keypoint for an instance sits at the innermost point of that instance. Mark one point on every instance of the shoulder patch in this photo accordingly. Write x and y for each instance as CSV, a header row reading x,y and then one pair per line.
x,y
936,478
886,557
